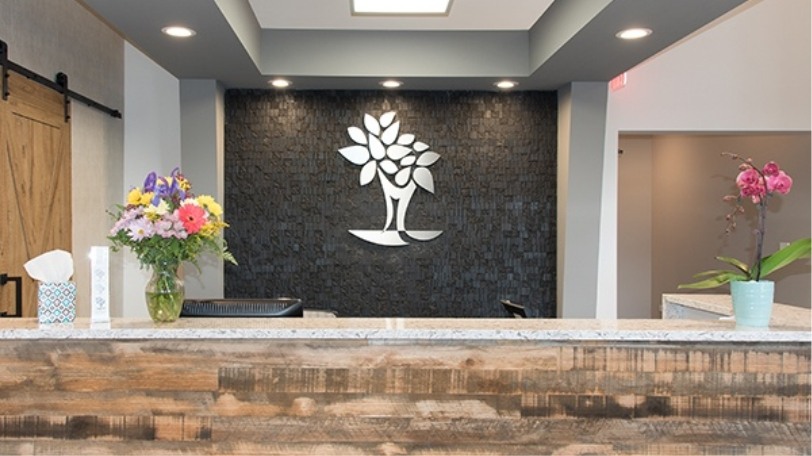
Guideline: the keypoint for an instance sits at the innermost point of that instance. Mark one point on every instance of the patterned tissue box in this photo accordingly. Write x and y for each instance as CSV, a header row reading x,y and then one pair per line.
x,y
56,302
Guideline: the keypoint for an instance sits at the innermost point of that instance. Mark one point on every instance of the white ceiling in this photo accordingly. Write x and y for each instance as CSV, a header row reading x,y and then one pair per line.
x,y
335,15
319,45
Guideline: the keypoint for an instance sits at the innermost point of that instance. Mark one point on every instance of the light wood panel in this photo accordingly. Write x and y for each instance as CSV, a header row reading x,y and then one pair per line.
x,y
35,183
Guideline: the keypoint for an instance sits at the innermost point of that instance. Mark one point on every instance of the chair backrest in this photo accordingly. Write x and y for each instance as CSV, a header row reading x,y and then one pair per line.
x,y
514,309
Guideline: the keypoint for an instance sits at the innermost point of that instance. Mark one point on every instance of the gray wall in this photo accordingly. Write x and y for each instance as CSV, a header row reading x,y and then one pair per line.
x,y
687,177
581,133
291,198
635,193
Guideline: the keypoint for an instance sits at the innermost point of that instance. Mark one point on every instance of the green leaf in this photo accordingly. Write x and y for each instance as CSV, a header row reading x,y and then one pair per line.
x,y
738,264
712,272
720,278
795,251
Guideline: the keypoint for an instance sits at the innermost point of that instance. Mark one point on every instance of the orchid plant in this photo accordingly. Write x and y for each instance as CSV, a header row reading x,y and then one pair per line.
x,y
758,185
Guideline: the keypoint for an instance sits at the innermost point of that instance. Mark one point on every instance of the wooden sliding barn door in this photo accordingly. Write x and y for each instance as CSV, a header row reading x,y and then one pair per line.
x,y
35,183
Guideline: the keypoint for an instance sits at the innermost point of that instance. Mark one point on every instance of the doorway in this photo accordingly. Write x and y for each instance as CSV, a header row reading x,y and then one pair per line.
x,y
671,217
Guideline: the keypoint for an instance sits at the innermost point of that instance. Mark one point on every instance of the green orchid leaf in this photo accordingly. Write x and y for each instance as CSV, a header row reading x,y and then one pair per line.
x,y
738,264
794,251
712,272
721,278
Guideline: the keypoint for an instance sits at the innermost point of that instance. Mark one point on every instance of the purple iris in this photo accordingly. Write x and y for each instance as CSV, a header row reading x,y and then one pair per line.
x,y
149,182
171,192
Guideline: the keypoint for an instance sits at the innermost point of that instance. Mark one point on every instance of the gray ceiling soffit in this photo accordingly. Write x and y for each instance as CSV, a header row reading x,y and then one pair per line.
x,y
572,41
603,56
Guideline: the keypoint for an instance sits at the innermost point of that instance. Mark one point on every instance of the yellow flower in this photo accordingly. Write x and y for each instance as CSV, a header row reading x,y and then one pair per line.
x,y
134,197
155,212
210,205
146,198
182,183
212,228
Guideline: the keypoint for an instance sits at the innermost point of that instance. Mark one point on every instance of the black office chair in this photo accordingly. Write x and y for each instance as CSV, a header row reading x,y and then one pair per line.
x,y
516,310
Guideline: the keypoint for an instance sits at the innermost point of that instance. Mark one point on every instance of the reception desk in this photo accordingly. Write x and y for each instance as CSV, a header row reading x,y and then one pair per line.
x,y
404,386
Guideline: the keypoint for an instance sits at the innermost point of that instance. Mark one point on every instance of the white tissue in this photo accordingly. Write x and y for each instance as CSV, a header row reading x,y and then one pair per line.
x,y
53,266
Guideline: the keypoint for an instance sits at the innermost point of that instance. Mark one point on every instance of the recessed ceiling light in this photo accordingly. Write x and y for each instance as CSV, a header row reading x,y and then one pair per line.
x,y
633,33
280,83
400,6
391,84
178,31
506,85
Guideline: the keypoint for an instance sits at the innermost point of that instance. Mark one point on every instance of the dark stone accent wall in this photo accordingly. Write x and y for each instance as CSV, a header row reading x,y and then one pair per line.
x,y
291,199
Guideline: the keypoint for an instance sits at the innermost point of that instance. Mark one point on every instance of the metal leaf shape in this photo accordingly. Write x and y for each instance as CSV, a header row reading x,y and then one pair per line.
x,y
420,146
387,119
406,139
423,178
357,155
389,167
408,160
396,152
427,158
357,135
402,177
368,172
372,125
376,147
390,134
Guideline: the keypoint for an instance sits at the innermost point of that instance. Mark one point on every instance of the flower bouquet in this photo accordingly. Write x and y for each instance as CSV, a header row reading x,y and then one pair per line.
x,y
164,224
758,185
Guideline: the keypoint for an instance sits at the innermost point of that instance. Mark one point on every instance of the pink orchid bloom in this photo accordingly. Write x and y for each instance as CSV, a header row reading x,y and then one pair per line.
x,y
779,183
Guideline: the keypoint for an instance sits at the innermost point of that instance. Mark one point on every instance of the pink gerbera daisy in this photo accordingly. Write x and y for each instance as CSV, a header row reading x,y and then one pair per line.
x,y
192,216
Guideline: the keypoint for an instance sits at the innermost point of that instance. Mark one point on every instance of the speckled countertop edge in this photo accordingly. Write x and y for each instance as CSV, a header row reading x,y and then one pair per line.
x,y
394,329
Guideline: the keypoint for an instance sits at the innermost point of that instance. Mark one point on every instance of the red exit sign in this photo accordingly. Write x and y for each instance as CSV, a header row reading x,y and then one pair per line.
x,y
618,82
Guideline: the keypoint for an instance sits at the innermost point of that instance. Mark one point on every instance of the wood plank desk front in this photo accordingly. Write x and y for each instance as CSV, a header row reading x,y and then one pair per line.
x,y
403,386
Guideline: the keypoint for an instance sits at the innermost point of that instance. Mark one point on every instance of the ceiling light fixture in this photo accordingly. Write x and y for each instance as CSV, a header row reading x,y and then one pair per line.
x,y
633,33
506,85
178,31
420,7
280,83
391,84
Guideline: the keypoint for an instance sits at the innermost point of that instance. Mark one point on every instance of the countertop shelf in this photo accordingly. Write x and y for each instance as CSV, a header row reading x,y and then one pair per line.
x,y
394,329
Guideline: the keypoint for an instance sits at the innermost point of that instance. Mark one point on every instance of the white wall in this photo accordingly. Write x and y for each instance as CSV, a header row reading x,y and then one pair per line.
x,y
750,71
151,143
52,36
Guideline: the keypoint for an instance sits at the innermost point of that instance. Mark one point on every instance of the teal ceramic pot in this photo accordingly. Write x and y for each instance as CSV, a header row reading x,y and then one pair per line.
x,y
752,302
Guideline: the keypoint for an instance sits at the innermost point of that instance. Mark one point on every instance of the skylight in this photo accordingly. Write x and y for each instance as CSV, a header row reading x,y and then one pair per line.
x,y
417,7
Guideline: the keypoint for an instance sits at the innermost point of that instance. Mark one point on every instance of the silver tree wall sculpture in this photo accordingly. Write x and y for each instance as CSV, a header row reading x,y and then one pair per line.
x,y
401,165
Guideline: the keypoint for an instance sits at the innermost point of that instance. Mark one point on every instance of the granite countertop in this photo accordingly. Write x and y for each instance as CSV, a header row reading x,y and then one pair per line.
x,y
393,329
722,305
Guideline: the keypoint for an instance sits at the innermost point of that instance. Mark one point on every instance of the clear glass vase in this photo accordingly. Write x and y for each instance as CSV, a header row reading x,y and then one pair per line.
x,y
164,293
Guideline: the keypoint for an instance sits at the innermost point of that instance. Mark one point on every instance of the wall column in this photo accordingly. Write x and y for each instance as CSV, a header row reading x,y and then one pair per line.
x,y
202,158
581,109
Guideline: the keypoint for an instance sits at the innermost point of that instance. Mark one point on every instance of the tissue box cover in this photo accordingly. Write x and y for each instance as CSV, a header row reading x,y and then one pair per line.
x,y
56,302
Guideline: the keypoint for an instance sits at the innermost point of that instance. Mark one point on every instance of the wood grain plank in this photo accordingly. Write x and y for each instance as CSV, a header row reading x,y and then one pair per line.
x,y
355,397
